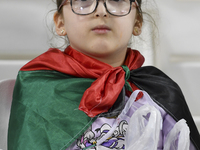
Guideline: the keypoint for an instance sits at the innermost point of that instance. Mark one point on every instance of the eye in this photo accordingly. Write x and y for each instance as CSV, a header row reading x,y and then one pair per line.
x,y
81,4
119,1
83,1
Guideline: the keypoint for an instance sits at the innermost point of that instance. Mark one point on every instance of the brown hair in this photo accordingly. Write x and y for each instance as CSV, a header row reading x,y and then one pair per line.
x,y
59,2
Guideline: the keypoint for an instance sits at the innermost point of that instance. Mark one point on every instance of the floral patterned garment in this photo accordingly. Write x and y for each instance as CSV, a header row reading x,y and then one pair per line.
x,y
111,133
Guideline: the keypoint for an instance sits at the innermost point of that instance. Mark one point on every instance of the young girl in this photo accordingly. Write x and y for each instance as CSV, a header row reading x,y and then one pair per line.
x,y
95,94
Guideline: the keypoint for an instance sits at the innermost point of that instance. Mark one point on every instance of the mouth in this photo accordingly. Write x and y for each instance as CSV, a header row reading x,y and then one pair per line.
x,y
101,29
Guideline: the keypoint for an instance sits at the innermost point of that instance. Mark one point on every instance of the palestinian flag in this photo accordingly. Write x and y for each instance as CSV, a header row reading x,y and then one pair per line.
x,y
45,110
46,101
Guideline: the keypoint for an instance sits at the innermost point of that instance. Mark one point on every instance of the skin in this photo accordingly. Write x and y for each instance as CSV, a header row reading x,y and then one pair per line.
x,y
99,35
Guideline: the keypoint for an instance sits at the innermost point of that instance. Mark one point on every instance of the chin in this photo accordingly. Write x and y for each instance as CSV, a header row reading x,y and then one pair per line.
x,y
102,48
102,52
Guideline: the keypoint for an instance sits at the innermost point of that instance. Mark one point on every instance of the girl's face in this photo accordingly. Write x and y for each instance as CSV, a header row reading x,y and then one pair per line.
x,y
99,35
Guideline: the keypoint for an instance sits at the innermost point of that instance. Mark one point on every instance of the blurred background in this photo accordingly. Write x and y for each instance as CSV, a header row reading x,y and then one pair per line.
x,y
175,49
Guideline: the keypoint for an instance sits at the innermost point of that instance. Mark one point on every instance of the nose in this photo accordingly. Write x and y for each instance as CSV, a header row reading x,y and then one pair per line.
x,y
101,9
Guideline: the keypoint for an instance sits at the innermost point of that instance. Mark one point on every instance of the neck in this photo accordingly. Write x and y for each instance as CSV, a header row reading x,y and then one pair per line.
x,y
113,61
114,58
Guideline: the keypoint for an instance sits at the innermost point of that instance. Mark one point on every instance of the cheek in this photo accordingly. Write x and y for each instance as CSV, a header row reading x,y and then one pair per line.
x,y
126,24
72,30
76,27
125,32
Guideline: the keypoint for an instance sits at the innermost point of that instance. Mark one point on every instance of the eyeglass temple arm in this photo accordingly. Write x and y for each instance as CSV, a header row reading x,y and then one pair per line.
x,y
138,7
61,4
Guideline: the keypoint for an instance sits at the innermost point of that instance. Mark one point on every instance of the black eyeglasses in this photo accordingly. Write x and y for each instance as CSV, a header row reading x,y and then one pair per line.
x,y
113,7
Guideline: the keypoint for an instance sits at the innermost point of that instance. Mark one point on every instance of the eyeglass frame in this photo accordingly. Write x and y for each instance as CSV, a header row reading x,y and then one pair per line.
x,y
97,2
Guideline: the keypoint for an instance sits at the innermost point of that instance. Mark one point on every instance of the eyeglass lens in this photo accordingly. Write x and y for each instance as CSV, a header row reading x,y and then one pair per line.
x,y
115,7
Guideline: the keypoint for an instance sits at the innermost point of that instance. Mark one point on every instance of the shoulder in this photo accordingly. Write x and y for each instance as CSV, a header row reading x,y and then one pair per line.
x,y
162,89
153,78
150,71
166,93
45,61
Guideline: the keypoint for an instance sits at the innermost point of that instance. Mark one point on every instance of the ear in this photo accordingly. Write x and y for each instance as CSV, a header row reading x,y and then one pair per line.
x,y
137,29
59,24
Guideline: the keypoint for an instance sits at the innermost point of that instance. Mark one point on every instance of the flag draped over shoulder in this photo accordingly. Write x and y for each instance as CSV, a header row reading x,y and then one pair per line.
x,y
56,93
51,90
167,94
45,111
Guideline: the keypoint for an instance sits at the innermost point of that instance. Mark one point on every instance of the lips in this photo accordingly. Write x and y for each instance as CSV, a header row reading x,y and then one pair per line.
x,y
101,29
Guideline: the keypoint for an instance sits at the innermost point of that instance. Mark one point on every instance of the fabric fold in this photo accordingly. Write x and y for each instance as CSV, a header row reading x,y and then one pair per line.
x,y
103,92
